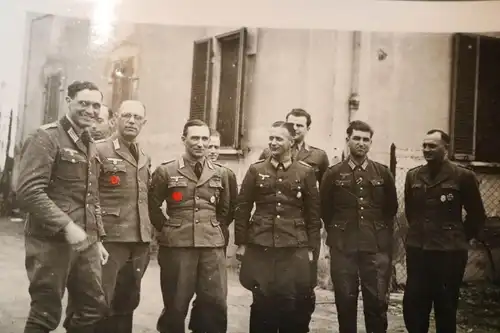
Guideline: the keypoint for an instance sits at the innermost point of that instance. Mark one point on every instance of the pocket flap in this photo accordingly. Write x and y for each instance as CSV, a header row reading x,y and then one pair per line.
x,y
343,183
340,225
215,183
379,225
300,222
110,167
173,222
110,211
71,155
450,186
377,182
214,221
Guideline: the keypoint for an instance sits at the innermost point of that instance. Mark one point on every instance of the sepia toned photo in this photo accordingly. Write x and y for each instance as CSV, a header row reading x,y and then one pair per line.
x,y
215,179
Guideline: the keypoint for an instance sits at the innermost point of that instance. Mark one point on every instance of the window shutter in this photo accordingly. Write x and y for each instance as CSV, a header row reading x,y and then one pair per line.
x,y
52,98
123,73
229,114
201,81
464,96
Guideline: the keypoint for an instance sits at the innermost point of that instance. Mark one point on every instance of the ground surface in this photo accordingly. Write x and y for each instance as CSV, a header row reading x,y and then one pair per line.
x,y
14,299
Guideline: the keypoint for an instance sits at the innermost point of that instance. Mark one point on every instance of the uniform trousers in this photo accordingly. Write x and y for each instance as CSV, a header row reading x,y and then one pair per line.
x,y
434,278
53,266
373,270
121,277
277,278
184,272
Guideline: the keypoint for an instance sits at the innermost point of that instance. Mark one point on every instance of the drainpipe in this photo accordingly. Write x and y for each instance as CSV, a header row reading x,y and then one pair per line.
x,y
28,60
355,67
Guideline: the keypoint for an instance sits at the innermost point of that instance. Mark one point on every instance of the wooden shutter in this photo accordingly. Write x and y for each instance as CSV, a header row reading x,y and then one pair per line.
x,y
122,84
201,81
52,98
230,106
464,96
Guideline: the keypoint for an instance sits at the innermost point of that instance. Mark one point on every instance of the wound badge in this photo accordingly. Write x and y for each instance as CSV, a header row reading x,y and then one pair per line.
x,y
450,197
443,198
212,199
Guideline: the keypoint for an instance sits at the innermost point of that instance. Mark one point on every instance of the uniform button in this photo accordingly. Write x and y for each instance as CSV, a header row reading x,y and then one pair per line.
x,y
197,198
279,192
361,188
88,205
196,209
361,198
88,194
197,221
140,201
73,160
362,208
277,216
261,185
279,203
280,180
362,217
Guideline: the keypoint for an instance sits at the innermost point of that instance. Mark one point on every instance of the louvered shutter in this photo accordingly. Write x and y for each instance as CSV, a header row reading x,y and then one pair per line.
x,y
52,98
464,98
201,92
230,106
122,84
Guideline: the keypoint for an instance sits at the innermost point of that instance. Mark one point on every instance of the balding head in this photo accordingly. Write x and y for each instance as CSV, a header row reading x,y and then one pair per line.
x,y
132,103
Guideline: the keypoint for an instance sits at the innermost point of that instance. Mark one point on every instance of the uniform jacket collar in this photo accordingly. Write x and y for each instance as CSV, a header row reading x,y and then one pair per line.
x,y
353,164
121,149
188,172
275,163
445,173
70,130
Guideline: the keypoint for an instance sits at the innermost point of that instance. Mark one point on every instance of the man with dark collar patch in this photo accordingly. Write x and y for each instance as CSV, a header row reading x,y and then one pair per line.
x,y
123,187
195,320
277,242
358,205
438,238
57,187
318,160
191,241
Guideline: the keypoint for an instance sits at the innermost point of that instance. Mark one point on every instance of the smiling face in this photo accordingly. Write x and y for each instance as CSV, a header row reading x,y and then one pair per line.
x,y
280,141
196,141
84,107
434,148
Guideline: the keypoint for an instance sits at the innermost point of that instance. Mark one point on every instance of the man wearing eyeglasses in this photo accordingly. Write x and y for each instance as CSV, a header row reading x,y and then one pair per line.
x,y
123,188
57,187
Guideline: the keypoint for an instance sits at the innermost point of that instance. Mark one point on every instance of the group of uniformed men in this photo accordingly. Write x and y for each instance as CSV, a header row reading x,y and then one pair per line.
x,y
93,202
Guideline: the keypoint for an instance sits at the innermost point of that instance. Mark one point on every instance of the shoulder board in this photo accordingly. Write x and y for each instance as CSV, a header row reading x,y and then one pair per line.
x,y
168,162
415,168
49,125
334,165
259,161
304,163
381,164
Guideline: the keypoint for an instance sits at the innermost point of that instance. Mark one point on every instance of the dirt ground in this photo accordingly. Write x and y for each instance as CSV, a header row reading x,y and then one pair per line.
x,y
14,300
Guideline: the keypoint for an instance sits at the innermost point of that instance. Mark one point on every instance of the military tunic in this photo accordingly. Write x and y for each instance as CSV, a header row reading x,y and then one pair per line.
x,y
191,239
278,236
123,187
57,185
358,205
195,321
437,242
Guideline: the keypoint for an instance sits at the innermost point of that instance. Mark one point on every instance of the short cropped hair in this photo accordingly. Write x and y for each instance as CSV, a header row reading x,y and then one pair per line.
x,y
297,112
358,125
77,86
444,136
283,124
192,123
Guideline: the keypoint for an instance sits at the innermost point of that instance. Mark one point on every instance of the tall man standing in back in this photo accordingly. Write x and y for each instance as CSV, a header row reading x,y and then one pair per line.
x,y
191,253
318,160
57,186
195,323
437,241
358,205
123,187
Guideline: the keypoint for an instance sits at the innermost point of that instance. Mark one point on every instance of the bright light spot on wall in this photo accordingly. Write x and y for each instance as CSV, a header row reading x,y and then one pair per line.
x,y
102,22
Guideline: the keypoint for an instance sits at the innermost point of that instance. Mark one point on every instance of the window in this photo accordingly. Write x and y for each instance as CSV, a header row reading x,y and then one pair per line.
x,y
122,77
226,114
52,94
475,105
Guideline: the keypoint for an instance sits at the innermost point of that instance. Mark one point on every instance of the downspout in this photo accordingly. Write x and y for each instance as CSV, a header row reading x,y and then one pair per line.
x,y
355,66
28,60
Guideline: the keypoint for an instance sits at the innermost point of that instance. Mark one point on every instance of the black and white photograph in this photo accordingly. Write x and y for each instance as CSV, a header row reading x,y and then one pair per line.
x,y
211,179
